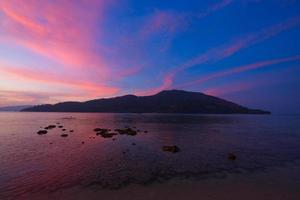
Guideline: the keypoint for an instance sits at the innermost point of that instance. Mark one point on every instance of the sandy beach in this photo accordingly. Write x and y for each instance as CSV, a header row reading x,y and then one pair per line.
x,y
277,183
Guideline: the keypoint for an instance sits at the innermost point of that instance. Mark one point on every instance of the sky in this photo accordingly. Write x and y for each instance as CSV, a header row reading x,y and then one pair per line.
x,y
246,51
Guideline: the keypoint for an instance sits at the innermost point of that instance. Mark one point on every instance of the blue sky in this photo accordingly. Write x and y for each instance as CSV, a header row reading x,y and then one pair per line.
x,y
247,51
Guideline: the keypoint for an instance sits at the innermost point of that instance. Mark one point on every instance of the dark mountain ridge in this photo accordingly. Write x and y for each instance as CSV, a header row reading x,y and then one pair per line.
x,y
169,101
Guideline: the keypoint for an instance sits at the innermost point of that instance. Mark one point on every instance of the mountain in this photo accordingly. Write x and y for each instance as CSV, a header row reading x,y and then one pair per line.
x,y
169,101
13,108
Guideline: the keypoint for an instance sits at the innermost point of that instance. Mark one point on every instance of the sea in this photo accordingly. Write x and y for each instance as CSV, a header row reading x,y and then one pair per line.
x,y
33,165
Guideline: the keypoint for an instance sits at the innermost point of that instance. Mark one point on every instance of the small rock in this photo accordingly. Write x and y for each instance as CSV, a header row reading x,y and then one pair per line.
x,y
82,142
145,131
71,131
173,148
42,132
97,129
133,144
60,126
64,135
231,156
51,126
127,131
63,129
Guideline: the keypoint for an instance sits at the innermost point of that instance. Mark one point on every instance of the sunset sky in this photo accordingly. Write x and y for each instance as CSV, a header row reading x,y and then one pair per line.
x,y
246,51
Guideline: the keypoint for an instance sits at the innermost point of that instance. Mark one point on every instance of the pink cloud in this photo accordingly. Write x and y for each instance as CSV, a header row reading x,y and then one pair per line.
x,y
94,90
62,32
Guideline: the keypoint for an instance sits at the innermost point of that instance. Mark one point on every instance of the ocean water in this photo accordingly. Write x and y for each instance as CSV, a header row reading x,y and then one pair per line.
x,y
32,163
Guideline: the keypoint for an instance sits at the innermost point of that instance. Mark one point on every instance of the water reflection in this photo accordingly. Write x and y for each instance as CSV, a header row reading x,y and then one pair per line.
x,y
34,163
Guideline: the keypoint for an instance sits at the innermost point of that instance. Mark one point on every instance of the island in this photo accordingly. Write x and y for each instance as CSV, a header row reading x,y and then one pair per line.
x,y
167,101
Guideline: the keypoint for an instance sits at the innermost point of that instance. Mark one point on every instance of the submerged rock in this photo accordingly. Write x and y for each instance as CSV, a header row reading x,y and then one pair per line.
x,y
63,129
172,148
60,126
42,132
64,135
231,156
127,131
105,133
71,131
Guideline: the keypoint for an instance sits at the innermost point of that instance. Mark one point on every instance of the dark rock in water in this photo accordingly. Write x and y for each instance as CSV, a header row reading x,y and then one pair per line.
x,y
63,129
50,143
51,126
57,123
133,144
127,131
172,148
114,139
60,126
42,132
82,142
105,133
145,131
231,156
71,131
64,135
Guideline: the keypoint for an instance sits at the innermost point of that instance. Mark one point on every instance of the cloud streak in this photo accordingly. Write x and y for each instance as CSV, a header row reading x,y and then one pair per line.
x,y
240,69
219,53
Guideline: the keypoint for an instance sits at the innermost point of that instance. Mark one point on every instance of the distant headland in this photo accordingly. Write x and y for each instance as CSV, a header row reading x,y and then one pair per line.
x,y
168,101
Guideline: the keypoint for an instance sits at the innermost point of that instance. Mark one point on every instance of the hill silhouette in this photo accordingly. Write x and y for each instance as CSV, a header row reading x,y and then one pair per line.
x,y
168,101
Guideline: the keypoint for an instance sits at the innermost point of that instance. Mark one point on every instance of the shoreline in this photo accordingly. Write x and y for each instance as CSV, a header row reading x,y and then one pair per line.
x,y
274,183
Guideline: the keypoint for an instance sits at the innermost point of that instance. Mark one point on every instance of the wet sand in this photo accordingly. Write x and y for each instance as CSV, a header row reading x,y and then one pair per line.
x,y
280,183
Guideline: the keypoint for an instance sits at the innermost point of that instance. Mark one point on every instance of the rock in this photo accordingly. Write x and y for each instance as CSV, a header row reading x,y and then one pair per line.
x,y
127,131
42,132
51,126
63,129
105,133
97,129
133,144
60,126
71,131
231,156
82,142
64,135
114,139
172,148
145,131
50,143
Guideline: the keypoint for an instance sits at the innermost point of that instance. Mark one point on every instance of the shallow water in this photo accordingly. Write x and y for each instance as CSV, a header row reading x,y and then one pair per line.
x,y
32,163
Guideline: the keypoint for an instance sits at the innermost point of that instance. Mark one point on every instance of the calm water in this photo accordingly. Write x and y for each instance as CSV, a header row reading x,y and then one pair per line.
x,y
31,163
